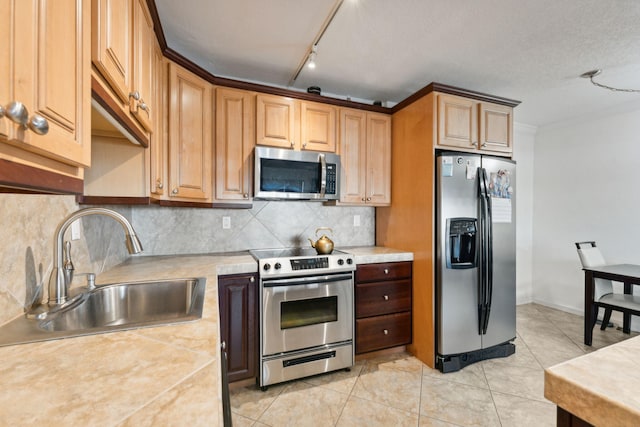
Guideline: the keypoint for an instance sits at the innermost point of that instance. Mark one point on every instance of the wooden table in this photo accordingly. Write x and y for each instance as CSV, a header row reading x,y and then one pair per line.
x,y
629,274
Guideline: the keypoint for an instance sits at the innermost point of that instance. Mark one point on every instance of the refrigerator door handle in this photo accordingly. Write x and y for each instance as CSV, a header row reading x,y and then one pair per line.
x,y
482,255
489,252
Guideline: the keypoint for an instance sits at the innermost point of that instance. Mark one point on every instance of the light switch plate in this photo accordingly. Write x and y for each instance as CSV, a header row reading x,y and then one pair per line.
x,y
356,220
226,222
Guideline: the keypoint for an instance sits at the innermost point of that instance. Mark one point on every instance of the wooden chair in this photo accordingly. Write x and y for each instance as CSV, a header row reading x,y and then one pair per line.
x,y
604,296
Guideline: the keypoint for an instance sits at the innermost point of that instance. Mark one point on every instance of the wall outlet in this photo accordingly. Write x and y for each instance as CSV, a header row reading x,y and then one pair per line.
x,y
226,222
75,230
356,220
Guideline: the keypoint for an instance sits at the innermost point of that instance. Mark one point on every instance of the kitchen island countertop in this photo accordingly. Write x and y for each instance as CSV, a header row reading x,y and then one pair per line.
x,y
167,375
600,387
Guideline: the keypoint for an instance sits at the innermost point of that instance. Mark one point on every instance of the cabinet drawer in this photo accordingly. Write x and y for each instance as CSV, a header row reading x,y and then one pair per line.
x,y
377,298
375,333
383,271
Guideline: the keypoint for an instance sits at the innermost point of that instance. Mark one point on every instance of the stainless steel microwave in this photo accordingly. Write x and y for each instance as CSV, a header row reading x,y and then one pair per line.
x,y
282,174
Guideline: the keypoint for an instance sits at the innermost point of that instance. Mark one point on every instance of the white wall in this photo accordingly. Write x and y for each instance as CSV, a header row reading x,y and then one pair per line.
x,y
585,188
523,154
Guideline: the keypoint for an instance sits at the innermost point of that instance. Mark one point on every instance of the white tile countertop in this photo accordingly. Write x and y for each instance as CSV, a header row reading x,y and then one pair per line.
x,y
377,254
167,375
600,387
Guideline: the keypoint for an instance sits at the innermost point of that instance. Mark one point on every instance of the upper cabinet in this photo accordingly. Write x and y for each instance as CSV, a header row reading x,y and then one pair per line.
x,y
45,85
276,121
123,56
190,125
365,156
235,139
474,125
301,125
317,127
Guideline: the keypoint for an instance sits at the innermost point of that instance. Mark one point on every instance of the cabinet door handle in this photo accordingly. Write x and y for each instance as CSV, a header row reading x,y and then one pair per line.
x,y
38,124
368,199
245,196
364,200
159,184
484,144
386,271
174,191
386,297
17,113
385,331
144,107
293,144
304,146
223,345
135,95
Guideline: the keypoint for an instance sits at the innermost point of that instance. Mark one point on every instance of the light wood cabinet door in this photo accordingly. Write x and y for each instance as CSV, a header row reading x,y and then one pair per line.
x,y
353,156
6,33
234,144
496,127
112,44
143,67
190,135
378,159
317,127
158,149
47,53
457,122
365,156
275,121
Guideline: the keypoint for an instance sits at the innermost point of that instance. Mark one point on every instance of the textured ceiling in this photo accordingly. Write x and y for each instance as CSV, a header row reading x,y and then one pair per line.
x,y
532,51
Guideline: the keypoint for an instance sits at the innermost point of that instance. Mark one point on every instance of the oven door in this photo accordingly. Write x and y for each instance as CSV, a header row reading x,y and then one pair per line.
x,y
306,312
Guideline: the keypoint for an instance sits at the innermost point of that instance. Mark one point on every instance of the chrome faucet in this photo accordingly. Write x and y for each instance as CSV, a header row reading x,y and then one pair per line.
x,y
58,284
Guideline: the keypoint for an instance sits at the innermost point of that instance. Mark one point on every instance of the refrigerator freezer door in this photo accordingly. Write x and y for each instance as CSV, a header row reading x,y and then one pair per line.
x,y
456,288
502,315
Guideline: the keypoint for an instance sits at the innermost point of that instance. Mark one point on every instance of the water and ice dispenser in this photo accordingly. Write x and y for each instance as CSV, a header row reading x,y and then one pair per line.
x,y
461,244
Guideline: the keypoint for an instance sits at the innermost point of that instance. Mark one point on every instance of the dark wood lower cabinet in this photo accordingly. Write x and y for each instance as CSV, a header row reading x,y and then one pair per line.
x,y
567,419
383,305
237,299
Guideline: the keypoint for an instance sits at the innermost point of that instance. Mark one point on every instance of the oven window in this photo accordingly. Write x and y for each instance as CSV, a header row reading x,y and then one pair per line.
x,y
289,176
305,312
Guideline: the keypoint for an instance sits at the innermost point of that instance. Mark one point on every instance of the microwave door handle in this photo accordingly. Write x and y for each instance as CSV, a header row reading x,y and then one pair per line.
x,y
323,175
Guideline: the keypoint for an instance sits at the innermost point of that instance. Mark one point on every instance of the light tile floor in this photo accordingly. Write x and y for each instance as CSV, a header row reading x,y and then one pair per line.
x,y
399,390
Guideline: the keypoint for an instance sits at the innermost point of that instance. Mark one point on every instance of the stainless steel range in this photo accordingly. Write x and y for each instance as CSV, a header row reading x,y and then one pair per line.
x,y
306,313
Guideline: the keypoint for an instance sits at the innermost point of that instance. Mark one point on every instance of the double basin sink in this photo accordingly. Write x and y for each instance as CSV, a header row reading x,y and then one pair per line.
x,y
112,307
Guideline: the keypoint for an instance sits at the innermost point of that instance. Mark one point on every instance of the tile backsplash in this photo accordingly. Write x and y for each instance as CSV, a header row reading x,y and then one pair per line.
x,y
28,224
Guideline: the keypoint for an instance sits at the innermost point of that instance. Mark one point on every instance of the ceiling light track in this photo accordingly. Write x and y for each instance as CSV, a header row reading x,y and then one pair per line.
x,y
591,74
311,53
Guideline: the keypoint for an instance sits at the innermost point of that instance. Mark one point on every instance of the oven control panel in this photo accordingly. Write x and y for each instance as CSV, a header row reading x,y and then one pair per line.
x,y
301,266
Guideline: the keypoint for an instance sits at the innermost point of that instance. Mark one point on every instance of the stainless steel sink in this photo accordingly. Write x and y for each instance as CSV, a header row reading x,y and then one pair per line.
x,y
112,307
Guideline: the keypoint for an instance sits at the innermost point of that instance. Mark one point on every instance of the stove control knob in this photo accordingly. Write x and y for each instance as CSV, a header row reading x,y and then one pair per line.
x,y
349,261
340,261
266,267
277,266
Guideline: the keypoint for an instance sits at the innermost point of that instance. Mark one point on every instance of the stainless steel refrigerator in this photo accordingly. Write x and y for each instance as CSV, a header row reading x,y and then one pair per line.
x,y
476,259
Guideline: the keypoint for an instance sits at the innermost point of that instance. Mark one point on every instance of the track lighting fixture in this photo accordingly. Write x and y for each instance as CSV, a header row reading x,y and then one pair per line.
x,y
311,63
591,74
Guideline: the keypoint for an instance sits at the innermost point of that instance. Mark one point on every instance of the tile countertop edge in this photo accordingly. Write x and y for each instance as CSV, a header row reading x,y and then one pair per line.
x,y
600,386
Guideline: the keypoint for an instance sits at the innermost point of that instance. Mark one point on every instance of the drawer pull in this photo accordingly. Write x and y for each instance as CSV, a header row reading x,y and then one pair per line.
x,y
386,297
385,331
386,271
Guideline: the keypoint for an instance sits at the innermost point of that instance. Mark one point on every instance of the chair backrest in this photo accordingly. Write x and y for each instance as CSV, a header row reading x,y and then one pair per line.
x,y
590,256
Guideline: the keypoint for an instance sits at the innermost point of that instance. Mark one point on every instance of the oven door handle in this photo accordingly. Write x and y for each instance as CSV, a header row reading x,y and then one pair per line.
x,y
306,280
